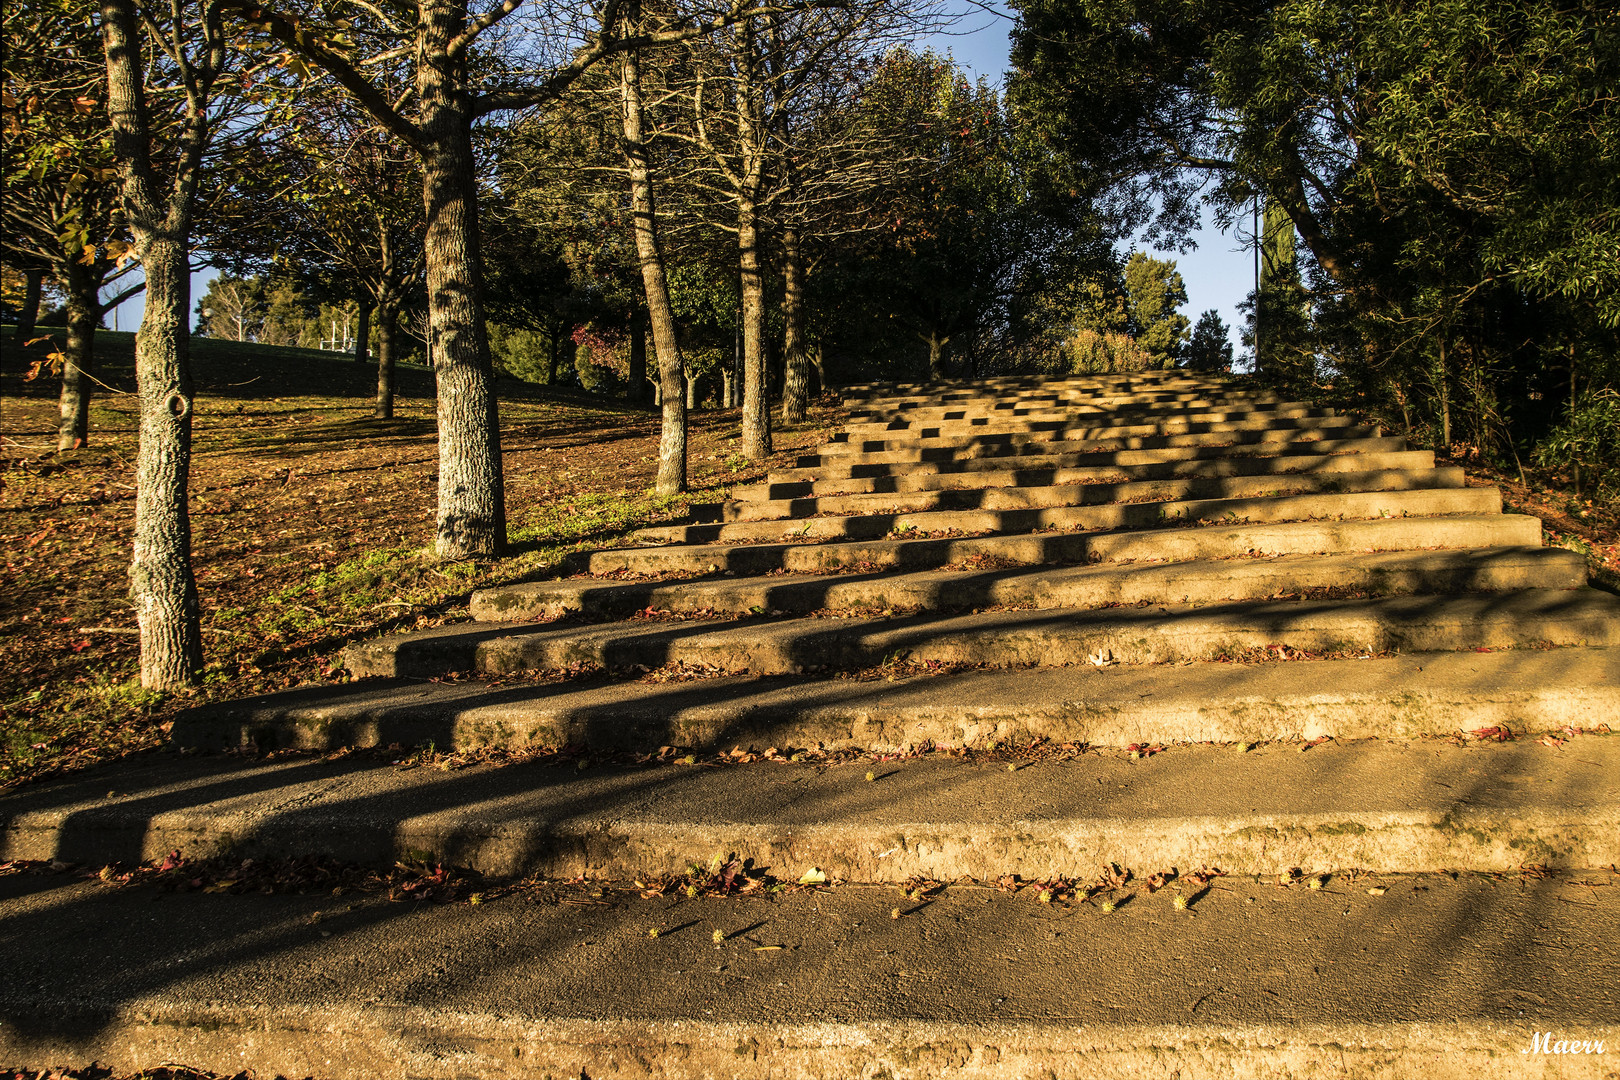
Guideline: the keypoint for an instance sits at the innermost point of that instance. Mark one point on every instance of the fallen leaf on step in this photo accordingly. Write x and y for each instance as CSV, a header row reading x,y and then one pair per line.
x,y
813,876
1492,734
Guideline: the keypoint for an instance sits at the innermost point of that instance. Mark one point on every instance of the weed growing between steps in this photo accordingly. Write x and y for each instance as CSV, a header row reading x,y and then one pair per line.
x,y
310,522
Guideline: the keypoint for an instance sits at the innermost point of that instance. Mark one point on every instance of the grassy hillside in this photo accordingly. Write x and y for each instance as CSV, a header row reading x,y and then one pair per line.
x,y
310,522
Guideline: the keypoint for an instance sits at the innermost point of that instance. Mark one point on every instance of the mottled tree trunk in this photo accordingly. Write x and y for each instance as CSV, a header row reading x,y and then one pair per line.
x,y
796,374
756,409
160,577
936,355
637,389
472,503
158,211
818,362
362,334
33,286
387,342
83,313
655,283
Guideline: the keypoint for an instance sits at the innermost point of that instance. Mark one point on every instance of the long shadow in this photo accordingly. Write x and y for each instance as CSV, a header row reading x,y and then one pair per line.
x,y
1489,946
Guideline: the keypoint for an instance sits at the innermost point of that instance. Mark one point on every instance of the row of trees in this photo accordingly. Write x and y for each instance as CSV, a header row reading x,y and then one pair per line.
x,y
1450,171
385,147
666,183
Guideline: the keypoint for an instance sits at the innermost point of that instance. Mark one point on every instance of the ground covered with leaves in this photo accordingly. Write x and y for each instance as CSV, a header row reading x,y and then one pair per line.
x,y
311,523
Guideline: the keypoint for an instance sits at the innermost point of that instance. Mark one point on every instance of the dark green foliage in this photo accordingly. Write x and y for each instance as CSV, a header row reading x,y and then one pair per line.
x,y
1211,347
1451,171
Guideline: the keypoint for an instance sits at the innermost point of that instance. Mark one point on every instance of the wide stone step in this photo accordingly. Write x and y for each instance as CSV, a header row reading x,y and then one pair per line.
x,y
1059,455
1049,495
1085,391
1372,806
1444,976
1111,516
1056,435
1021,477
1046,637
1384,574
1206,542
1071,431
947,420
1526,691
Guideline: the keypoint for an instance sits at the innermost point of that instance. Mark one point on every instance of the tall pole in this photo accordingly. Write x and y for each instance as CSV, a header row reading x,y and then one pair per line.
x,y
1257,241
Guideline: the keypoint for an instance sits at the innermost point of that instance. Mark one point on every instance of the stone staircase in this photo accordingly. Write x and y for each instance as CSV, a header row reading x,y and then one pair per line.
x,y
1141,519
1026,631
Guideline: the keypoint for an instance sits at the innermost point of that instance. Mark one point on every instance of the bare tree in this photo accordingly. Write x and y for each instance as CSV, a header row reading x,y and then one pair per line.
x,y
762,99
466,67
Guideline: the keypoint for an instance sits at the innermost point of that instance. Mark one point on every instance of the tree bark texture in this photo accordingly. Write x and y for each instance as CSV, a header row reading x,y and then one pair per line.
x,y
655,283
472,500
796,363
756,410
387,341
159,211
936,355
33,286
161,581
83,312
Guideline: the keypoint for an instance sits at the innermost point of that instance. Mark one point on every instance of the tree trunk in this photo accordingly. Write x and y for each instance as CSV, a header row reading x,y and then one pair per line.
x,y
727,389
34,285
160,577
756,410
362,334
691,393
655,283
387,342
1443,388
161,584
472,503
555,353
936,355
796,376
83,286
818,362
637,388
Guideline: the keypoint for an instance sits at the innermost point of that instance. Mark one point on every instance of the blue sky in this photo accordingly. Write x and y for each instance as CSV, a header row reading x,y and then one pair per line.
x,y
1219,273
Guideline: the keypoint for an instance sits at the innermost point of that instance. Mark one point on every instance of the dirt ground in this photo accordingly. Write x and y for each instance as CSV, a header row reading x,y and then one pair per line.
x,y
309,519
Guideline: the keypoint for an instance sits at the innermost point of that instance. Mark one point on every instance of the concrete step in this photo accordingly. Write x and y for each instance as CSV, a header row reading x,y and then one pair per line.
x,y
958,448
1071,455
1070,431
1477,500
1397,697
1092,494
924,396
1443,976
1374,805
1046,638
1014,476
1204,542
1200,582
947,420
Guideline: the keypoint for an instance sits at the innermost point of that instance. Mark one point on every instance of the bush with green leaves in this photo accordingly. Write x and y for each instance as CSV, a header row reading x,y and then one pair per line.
x,y
1587,443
